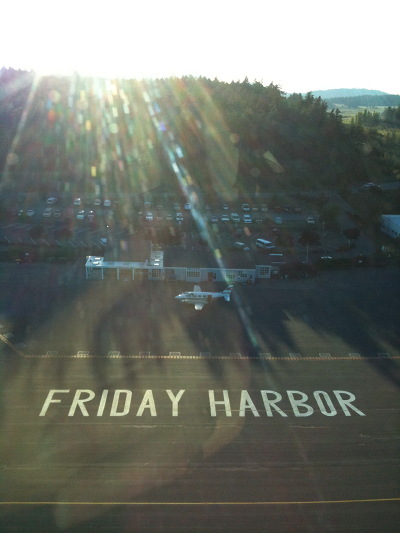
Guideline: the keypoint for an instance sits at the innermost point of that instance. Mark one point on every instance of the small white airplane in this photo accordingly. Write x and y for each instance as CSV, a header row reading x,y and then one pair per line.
x,y
199,298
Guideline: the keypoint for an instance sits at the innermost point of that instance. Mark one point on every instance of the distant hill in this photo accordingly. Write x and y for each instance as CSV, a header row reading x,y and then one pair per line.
x,y
366,100
345,93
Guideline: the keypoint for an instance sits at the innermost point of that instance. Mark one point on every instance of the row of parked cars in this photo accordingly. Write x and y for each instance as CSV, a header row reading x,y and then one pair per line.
x,y
79,202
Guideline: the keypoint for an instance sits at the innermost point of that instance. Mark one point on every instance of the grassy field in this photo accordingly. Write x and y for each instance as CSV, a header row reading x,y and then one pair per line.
x,y
350,112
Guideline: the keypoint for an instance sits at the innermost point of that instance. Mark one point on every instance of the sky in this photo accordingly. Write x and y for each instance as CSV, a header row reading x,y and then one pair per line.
x,y
298,45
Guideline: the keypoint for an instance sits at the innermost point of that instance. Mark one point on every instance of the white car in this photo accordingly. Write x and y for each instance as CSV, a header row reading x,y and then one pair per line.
x,y
80,215
149,217
30,213
51,200
278,220
107,203
179,217
224,218
225,207
241,246
176,206
310,220
235,217
245,207
77,201
247,219
47,212
97,202
188,206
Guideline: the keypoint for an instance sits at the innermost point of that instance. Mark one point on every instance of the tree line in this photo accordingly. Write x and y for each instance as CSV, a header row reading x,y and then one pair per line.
x,y
59,134
388,119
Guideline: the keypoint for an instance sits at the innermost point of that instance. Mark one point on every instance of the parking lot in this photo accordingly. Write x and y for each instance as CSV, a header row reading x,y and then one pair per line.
x,y
216,232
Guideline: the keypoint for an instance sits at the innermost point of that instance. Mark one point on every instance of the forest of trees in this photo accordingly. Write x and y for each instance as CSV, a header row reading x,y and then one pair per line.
x,y
65,134
365,100
388,119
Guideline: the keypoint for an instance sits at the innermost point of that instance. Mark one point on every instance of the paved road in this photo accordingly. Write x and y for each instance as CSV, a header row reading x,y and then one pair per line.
x,y
127,442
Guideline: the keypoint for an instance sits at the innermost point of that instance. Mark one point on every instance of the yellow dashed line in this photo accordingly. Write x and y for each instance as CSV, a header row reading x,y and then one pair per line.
x,y
186,504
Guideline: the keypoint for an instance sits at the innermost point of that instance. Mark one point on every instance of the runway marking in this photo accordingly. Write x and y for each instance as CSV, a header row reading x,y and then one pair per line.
x,y
11,345
186,504
203,355
115,354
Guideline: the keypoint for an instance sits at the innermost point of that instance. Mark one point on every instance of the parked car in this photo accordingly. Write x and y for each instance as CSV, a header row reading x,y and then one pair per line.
x,y
80,215
97,202
278,220
77,201
179,217
188,206
310,220
51,200
47,212
235,217
245,207
247,219
30,213
224,218
241,246
107,203
149,217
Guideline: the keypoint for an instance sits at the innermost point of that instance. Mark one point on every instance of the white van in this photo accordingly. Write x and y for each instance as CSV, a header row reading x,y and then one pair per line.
x,y
266,245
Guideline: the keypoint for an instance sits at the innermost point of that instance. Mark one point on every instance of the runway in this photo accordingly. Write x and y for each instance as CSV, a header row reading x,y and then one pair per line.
x,y
120,413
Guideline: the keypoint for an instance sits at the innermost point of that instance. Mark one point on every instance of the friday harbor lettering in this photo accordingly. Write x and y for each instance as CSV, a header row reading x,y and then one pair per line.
x,y
222,403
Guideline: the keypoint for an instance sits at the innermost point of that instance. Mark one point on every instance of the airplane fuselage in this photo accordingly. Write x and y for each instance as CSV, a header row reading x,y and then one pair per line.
x,y
200,298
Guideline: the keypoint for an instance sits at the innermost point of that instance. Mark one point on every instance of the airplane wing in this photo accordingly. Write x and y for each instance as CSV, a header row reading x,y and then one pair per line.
x,y
199,305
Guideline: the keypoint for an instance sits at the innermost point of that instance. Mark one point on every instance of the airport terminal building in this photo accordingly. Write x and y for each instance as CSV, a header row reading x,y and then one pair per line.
x,y
154,270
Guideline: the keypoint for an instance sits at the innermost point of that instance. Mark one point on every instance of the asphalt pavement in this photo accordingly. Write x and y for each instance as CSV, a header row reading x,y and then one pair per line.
x,y
124,410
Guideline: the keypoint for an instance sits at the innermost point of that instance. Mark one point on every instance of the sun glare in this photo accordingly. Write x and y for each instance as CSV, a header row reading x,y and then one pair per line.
x,y
99,39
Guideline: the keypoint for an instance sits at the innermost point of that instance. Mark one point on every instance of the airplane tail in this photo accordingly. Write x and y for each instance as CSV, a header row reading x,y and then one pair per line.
x,y
227,293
